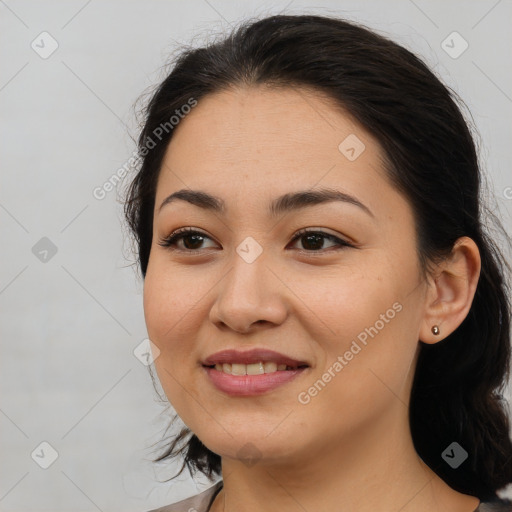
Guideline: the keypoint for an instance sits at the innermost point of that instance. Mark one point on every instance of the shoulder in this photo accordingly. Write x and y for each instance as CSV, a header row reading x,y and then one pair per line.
x,y
199,503
495,506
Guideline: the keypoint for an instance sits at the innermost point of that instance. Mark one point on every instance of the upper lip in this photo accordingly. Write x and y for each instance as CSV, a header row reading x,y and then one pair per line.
x,y
251,356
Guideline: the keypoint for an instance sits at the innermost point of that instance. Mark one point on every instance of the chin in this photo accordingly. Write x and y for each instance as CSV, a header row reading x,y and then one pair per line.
x,y
251,447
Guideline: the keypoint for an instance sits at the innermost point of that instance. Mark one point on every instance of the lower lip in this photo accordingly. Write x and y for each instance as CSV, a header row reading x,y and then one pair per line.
x,y
247,385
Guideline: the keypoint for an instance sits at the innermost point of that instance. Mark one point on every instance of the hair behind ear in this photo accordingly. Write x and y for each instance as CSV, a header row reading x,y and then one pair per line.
x,y
467,373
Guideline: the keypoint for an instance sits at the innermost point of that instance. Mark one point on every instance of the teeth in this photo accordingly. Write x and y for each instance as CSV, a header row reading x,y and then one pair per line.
x,y
255,369
238,369
251,369
270,367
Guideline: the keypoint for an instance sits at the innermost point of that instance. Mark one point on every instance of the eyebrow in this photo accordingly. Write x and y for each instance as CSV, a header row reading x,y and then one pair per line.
x,y
283,204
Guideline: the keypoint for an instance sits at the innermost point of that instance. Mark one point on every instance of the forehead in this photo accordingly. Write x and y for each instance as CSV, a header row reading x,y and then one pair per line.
x,y
256,135
269,122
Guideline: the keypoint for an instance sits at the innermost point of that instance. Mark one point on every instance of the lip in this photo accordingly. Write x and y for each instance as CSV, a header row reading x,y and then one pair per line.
x,y
254,355
247,385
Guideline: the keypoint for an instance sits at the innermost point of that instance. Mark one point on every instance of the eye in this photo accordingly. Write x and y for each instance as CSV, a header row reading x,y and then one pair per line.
x,y
192,240
190,236
313,240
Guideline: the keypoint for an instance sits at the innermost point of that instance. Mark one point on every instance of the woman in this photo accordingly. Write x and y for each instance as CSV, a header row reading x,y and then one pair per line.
x,y
329,318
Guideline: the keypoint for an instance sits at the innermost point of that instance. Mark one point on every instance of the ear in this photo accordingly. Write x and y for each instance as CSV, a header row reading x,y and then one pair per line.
x,y
451,290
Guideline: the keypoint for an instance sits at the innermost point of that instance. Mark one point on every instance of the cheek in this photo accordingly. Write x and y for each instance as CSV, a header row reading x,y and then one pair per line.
x,y
173,311
367,323
166,312
169,300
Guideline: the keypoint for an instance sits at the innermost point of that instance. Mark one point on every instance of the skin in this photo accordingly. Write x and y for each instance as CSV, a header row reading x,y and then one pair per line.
x,y
350,447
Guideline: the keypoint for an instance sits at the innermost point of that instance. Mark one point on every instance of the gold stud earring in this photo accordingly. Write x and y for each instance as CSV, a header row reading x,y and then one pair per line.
x,y
435,330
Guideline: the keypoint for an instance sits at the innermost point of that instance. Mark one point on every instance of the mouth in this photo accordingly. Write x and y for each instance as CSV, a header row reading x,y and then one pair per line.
x,y
259,368
252,362
251,372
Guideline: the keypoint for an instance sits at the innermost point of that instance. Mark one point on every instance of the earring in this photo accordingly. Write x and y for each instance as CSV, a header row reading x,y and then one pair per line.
x,y
435,330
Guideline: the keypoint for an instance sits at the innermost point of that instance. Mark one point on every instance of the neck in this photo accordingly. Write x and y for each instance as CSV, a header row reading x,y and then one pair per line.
x,y
376,469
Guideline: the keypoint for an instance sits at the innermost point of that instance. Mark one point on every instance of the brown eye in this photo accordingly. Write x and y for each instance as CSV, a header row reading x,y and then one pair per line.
x,y
192,240
313,241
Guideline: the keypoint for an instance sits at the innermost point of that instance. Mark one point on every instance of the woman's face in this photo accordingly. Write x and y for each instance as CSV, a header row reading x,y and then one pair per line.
x,y
348,302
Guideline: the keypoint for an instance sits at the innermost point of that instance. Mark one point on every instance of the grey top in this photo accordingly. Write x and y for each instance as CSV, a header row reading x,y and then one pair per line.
x,y
203,501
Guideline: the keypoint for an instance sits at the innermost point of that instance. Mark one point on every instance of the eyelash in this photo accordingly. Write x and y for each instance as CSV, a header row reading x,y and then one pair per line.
x,y
169,242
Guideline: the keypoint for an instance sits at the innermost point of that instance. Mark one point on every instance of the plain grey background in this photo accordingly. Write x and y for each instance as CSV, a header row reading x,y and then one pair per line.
x,y
71,304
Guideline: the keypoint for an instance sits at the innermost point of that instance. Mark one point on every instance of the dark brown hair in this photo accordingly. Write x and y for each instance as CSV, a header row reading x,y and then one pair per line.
x,y
431,158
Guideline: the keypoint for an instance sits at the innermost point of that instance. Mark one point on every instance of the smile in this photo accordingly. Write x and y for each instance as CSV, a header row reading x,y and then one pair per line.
x,y
247,384
253,369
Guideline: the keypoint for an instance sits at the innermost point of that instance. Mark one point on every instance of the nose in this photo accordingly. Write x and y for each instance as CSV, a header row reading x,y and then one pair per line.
x,y
249,295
